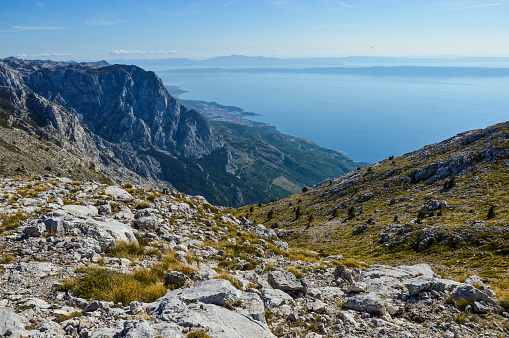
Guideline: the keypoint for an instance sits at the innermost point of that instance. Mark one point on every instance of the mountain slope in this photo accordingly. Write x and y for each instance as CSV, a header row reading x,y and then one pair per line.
x,y
431,205
121,121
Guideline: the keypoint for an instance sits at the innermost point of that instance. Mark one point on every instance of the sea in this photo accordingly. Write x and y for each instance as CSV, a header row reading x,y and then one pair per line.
x,y
368,117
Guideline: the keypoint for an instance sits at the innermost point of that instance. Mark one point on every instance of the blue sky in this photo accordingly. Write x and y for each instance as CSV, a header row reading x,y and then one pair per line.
x,y
113,29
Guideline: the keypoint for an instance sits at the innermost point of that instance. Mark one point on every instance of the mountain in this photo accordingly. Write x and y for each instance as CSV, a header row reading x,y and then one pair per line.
x,y
118,123
445,204
243,61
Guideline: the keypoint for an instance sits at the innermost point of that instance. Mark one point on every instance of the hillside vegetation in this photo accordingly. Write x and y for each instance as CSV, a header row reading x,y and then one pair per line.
x,y
445,204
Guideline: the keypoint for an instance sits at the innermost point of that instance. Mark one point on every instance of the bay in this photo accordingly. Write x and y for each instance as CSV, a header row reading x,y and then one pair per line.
x,y
368,117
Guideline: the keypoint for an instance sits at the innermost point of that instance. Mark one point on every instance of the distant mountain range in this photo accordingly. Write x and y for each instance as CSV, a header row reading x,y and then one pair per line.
x,y
242,61
118,123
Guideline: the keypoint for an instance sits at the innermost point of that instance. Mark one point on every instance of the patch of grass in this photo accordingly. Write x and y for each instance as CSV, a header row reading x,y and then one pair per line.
x,y
463,303
269,316
296,272
103,284
501,288
12,222
197,334
142,205
170,263
6,259
114,206
61,318
126,250
461,318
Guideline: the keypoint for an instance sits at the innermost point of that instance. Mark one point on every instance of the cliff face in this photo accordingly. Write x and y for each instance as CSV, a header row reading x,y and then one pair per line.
x,y
120,103
108,117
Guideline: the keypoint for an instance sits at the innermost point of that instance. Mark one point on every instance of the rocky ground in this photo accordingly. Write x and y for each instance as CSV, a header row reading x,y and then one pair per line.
x,y
82,259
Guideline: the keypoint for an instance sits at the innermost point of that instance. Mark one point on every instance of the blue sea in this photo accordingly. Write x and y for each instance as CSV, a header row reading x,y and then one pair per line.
x,y
367,117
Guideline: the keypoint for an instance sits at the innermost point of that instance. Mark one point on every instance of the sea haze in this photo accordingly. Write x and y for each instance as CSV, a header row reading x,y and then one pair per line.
x,y
370,117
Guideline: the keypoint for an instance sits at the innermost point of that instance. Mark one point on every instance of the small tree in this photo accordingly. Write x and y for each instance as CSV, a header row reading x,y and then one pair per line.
x,y
395,220
491,212
304,189
351,212
297,213
251,209
449,184
270,215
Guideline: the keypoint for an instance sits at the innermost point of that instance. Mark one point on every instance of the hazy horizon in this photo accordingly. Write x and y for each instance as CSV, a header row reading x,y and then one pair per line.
x,y
109,30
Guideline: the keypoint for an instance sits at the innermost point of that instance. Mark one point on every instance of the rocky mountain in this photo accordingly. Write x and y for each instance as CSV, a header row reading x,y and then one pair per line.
x,y
83,259
120,122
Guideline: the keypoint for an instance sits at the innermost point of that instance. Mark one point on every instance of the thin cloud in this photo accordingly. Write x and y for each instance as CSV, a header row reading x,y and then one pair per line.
x,y
227,4
35,28
478,6
40,4
138,52
102,22
52,54
342,4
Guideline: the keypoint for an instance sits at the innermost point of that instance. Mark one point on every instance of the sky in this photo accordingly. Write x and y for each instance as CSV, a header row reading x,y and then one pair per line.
x,y
124,29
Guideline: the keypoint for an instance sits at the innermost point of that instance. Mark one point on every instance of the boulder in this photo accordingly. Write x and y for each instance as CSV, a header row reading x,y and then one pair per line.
x,y
216,321
316,306
274,297
471,293
480,308
252,306
214,291
148,222
357,287
286,281
342,272
176,278
138,329
117,193
119,231
81,210
9,321
35,230
367,302
104,239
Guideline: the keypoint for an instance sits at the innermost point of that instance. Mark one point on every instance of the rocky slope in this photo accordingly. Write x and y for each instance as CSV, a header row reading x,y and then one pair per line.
x,y
444,205
83,259
120,121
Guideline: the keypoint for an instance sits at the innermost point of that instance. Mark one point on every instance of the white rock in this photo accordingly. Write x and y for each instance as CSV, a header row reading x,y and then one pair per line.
x,y
81,210
117,193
